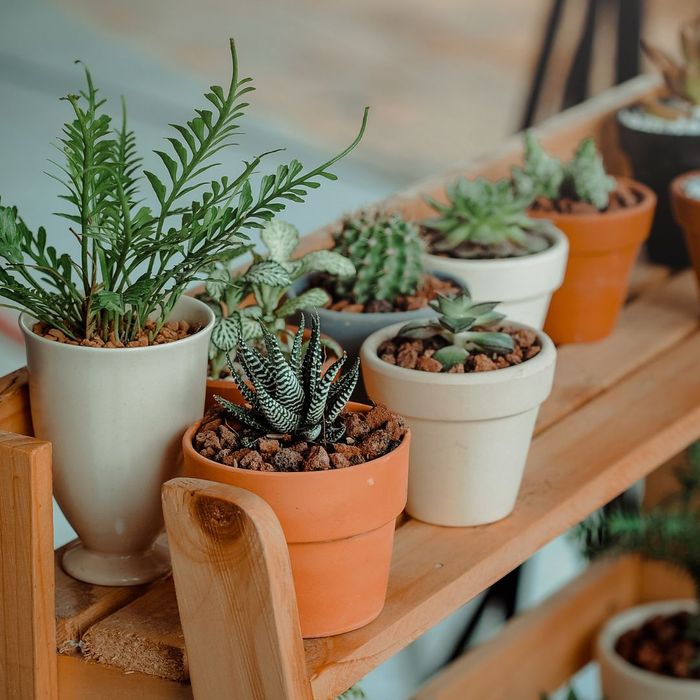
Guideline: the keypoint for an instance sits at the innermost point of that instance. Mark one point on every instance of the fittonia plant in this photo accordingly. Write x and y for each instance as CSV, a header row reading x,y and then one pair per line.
x,y
485,219
292,395
387,252
133,261
458,317
583,178
266,281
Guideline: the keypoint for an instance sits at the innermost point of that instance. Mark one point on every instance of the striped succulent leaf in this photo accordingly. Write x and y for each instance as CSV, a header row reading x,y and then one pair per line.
x,y
288,388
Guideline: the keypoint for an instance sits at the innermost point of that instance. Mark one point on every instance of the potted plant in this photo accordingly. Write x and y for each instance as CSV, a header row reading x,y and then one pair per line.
x,y
334,473
257,298
116,353
685,197
484,237
606,220
470,387
661,137
651,651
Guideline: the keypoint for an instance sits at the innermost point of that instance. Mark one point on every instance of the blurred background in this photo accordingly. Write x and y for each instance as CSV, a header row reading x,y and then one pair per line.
x,y
446,81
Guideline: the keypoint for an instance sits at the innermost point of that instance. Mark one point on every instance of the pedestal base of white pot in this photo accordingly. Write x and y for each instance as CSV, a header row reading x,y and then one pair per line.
x,y
104,569
623,681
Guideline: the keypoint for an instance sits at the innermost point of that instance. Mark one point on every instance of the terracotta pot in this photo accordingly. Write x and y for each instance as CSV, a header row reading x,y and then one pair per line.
x,y
623,681
339,525
524,285
226,388
471,432
686,210
602,251
115,417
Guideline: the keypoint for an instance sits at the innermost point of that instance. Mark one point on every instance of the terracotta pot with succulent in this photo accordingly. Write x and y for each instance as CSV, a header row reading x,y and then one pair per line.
x,y
245,304
334,473
484,237
470,387
661,137
651,651
606,220
685,197
116,352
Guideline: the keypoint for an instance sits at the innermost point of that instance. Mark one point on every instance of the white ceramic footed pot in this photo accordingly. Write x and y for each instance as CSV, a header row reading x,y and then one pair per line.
x,y
523,285
623,681
471,432
116,418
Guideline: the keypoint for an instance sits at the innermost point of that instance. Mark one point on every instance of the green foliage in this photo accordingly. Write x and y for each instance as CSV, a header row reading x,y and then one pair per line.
x,y
583,178
267,280
387,253
458,316
670,532
486,215
292,395
354,693
135,262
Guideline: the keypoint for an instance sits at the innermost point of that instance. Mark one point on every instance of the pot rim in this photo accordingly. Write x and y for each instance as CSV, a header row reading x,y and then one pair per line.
x,y
677,190
648,200
560,245
646,132
534,365
356,407
618,624
25,319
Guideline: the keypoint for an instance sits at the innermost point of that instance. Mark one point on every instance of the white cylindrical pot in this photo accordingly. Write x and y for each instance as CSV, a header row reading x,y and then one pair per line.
x,y
623,681
524,285
471,432
116,418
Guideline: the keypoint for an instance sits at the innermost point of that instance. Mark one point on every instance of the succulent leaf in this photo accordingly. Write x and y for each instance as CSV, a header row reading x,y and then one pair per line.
x,y
588,177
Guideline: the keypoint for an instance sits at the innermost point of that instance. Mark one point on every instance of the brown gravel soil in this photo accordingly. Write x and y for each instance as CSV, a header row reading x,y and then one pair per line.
x,y
429,289
367,436
169,333
661,645
474,251
624,196
418,354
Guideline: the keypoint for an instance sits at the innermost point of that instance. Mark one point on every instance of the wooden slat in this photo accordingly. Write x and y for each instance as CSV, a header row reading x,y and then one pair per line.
x,y
27,629
15,416
546,644
574,467
235,593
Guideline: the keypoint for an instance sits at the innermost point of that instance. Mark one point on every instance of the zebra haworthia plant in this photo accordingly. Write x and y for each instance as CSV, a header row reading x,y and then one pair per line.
x,y
458,316
291,395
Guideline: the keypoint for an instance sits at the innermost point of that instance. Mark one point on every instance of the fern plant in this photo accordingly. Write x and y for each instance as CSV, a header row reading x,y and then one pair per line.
x,y
267,281
291,395
458,317
135,262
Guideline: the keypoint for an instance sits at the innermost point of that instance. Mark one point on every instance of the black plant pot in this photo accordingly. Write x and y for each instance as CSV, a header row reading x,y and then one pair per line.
x,y
656,159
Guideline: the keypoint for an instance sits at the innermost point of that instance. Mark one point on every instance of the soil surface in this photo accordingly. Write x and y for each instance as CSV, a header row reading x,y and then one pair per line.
x,y
418,354
429,289
169,333
367,436
623,196
661,645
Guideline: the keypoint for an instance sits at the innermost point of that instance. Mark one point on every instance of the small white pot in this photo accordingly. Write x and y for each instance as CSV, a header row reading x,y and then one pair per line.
x,y
623,681
523,285
116,418
471,432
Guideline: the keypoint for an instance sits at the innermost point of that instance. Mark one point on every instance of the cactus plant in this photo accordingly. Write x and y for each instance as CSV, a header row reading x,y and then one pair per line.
x,y
583,178
387,253
485,219
267,280
458,317
291,395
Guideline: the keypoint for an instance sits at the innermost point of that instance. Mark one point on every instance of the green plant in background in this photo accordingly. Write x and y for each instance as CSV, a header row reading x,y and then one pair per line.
x,y
354,693
571,694
458,316
681,78
670,532
486,215
292,395
267,280
135,262
583,178
387,253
